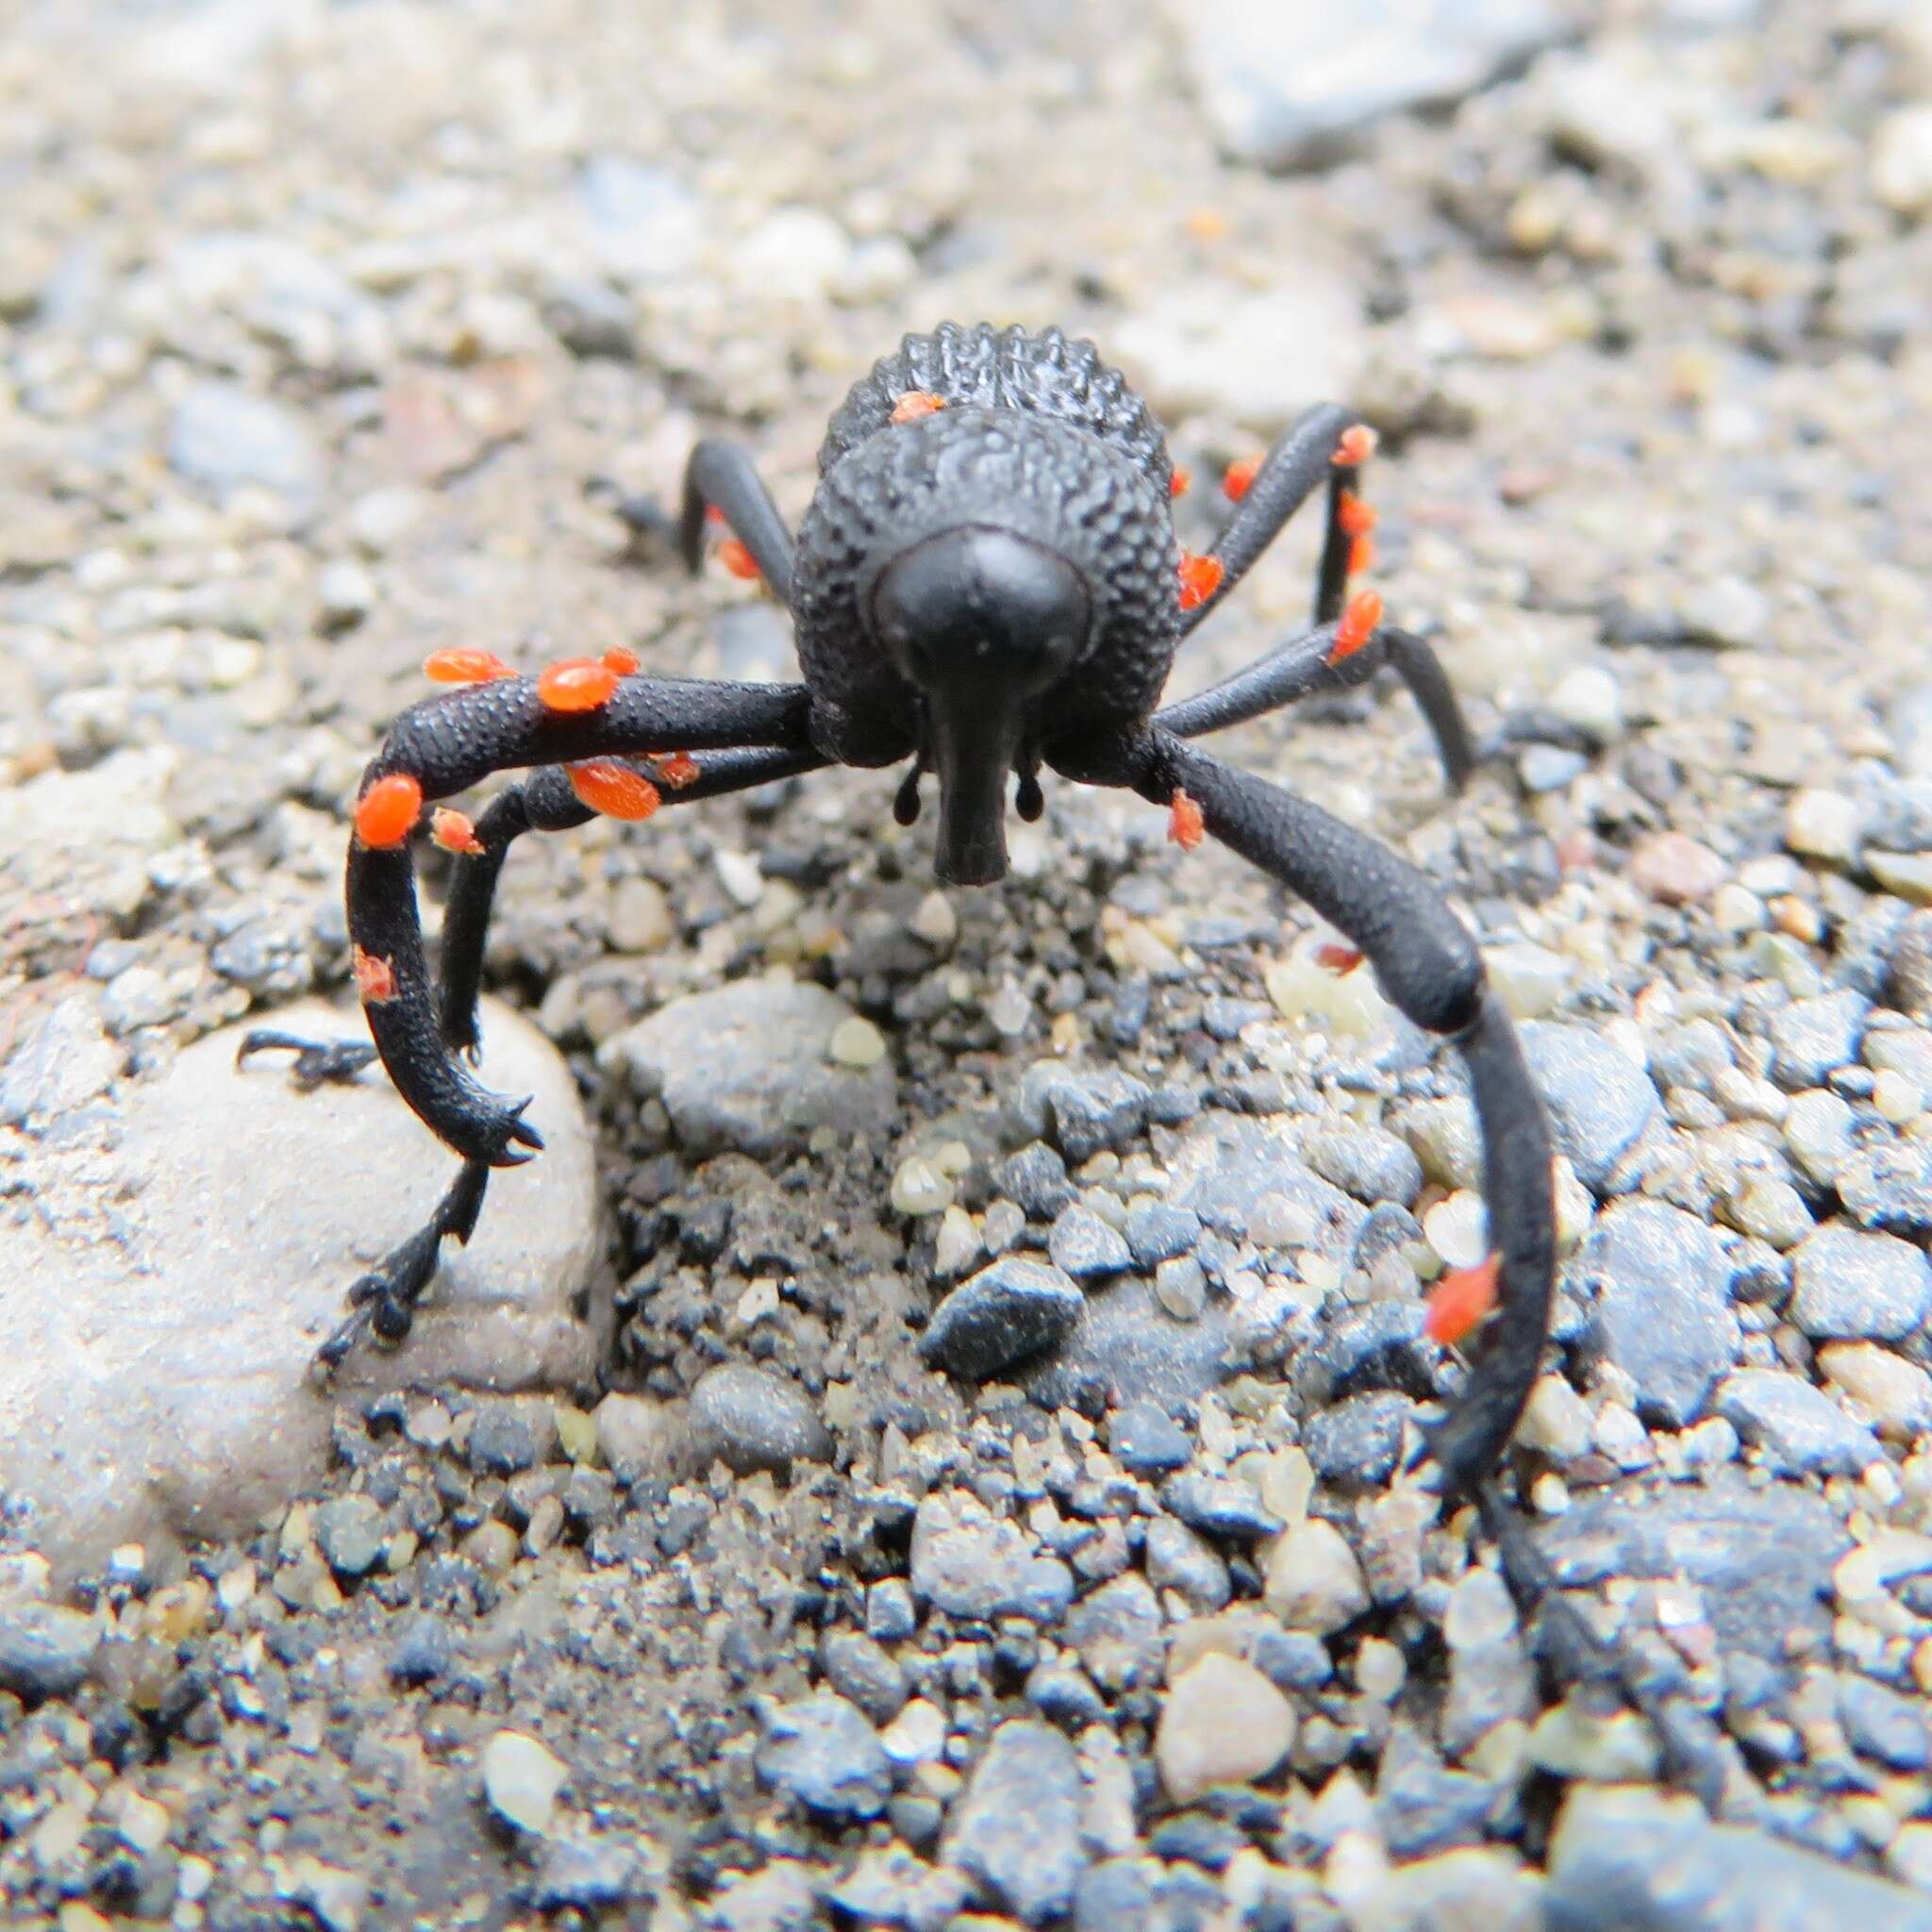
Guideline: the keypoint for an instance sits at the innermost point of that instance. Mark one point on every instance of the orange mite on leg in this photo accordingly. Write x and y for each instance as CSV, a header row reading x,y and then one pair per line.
x,y
678,770
465,666
914,404
1200,578
1358,625
622,659
1356,446
576,684
1186,824
387,813
1355,517
1239,477
454,832
737,558
1339,961
1180,480
1460,1299
375,978
614,790
1361,555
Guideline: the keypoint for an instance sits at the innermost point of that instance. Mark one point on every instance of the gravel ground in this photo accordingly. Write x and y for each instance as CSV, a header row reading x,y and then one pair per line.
x,y
330,335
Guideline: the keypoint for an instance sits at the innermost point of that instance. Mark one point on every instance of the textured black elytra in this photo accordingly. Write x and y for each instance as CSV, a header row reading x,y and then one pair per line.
x,y
985,589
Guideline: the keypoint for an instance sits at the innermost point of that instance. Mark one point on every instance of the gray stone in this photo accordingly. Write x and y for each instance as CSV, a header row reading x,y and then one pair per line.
x,y
1762,1554
888,1886
1289,87
1081,1111
751,1420
1358,1444
1000,1316
1367,1163
1220,1506
969,1562
45,1650
62,1064
352,1532
1127,1347
1887,1185
1883,1725
1180,1560
1799,1428
1016,1827
1117,1630
1662,1312
824,1753
1145,1440
1627,1857
223,438
865,1671
746,1066
1228,1164
1157,1232
1085,1246
1859,1286
1810,1037
164,1302
1601,1101
1379,1345
1036,1178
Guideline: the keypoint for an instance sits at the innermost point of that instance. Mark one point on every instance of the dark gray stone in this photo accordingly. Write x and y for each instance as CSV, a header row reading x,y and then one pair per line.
x,y
1085,1246
424,1649
1220,1506
1036,1177
1016,1827
1763,1555
1622,1857
502,1439
1157,1232
1798,1428
749,1420
858,1667
1358,1444
824,1753
1422,1806
1379,1345
1000,1316
1146,1441
1292,1661
1810,1037
1601,1101
45,1650
1081,1111
1859,1286
1661,1311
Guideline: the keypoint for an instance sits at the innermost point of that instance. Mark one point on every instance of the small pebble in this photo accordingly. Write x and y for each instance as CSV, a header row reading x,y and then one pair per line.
x,y
521,1778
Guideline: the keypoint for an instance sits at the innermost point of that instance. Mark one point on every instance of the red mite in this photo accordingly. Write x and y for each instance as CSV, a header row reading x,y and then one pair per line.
x,y
1461,1298
577,684
387,813
1200,578
454,832
376,979
614,790
1337,959
465,666
737,558
1238,479
1357,444
1186,824
1357,625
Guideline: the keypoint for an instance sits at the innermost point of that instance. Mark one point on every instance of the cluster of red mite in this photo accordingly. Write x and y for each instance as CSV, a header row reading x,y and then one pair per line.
x,y
388,812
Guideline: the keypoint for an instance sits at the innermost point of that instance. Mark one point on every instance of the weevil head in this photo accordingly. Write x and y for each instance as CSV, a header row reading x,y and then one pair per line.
x,y
983,622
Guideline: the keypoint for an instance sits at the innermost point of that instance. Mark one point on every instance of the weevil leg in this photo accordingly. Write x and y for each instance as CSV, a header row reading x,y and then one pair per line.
x,y
719,475
383,1302
1315,660
546,802
315,1061
1302,457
